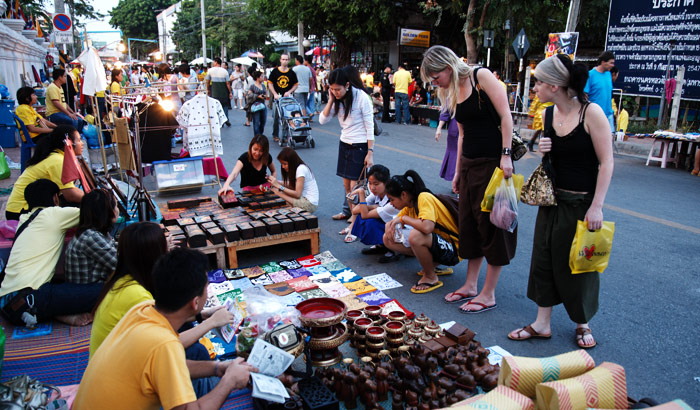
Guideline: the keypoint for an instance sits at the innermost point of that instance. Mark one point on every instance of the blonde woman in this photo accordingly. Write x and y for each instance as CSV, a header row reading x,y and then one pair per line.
x,y
471,96
578,142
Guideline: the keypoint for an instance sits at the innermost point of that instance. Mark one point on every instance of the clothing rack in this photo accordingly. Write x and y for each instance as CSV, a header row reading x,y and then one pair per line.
x,y
132,100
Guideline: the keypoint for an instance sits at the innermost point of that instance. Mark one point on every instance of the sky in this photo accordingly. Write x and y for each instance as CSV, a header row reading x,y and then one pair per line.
x,y
104,7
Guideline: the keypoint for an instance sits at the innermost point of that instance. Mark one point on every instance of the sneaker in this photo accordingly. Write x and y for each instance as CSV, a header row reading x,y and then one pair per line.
x,y
228,123
389,257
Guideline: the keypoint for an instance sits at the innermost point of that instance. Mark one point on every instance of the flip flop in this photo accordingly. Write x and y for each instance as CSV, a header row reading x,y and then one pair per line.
x,y
462,297
533,334
440,271
430,287
581,332
484,307
350,238
340,217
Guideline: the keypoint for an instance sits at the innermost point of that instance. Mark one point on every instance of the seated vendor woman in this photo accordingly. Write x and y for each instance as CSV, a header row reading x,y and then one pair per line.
x,y
46,163
298,186
433,239
38,126
252,166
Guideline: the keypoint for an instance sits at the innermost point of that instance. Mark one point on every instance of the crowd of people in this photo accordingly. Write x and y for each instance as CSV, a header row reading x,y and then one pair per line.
x,y
143,296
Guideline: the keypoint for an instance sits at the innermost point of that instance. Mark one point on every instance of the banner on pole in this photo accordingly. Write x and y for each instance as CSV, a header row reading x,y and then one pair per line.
x,y
561,43
415,38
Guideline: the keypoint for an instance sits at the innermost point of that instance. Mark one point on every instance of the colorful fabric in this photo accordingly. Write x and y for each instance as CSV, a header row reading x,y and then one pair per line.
x,y
500,398
524,373
603,387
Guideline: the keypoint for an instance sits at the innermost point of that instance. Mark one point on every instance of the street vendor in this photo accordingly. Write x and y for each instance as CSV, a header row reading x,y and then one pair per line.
x,y
252,166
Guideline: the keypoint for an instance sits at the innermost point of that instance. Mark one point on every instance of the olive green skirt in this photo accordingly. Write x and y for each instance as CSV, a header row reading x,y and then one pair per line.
x,y
551,281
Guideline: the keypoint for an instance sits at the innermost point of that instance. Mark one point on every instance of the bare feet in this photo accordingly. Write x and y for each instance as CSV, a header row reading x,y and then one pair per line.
x,y
82,319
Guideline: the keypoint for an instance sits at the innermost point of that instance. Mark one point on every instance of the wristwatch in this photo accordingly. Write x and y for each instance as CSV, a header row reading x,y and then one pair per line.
x,y
506,151
281,188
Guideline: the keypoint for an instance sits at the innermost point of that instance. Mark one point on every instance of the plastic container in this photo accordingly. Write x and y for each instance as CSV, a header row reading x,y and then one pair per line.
x,y
433,124
8,136
6,109
179,173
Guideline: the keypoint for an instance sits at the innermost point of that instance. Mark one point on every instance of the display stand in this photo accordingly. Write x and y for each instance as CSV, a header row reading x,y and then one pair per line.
x,y
129,101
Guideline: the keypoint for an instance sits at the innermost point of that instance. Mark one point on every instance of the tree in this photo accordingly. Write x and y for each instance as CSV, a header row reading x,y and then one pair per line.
x,y
136,19
241,29
37,9
349,22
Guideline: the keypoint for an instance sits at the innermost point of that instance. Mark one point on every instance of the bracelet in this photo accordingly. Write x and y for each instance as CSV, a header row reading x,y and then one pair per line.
x,y
363,203
370,149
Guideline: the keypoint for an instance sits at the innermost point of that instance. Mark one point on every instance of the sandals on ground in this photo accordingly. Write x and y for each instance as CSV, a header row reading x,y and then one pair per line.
x,y
532,334
581,332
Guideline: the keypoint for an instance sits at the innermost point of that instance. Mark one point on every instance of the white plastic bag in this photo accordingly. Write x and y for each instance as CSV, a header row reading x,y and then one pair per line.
x,y
504,214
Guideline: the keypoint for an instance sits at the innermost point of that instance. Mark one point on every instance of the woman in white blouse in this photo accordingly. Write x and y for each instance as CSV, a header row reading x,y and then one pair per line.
x,y
348,101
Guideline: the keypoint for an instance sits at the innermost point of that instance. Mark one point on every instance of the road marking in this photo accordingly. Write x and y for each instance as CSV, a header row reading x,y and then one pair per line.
x,y
650,218
639,215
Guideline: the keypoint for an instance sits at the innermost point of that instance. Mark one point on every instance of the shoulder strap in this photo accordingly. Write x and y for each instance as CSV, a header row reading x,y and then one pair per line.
x,y
582,117
548,117
476,79
26,223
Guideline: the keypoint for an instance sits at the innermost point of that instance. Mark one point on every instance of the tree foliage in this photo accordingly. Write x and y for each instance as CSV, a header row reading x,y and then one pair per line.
x,y
349,22
240,28
137,19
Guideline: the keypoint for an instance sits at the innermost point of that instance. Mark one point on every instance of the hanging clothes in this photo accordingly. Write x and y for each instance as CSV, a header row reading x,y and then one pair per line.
x,y
193,118
158,127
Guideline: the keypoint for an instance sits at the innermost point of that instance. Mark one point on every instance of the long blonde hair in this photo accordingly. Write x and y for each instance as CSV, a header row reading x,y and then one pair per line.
x,y
435,60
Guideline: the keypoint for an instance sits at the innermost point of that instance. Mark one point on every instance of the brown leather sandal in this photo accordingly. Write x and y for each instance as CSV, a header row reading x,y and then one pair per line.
x,y
533,334
581,332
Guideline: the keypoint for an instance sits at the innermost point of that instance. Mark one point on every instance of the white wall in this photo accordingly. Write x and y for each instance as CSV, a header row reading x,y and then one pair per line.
x,y
18,54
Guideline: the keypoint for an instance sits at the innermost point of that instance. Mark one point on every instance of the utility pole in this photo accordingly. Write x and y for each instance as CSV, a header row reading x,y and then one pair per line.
x,y
204,36
223,31
662,103
572,19
300,37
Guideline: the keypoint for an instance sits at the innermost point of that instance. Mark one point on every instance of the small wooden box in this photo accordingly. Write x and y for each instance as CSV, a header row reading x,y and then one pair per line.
x,y
460,334
299,223
259,228
209,225
216,235
247,231
287,224
196,237
311,221
228,200
185,222
202,219
273,226
231,231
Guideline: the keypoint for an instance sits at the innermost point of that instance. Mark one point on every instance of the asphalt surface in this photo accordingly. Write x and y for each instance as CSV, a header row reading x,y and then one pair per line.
x,y
647,321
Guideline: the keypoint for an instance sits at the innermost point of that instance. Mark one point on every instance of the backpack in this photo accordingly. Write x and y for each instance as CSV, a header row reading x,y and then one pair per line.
x,y
452,205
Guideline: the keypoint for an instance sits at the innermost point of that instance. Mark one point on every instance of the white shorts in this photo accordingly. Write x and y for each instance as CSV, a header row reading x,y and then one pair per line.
x,y
237,94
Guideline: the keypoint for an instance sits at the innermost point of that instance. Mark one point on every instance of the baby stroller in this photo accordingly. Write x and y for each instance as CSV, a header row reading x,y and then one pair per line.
x,y
295,127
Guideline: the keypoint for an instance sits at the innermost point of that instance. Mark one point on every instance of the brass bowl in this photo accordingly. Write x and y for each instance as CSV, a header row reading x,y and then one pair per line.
x,y
362,324
375,334
352,315
373,311
395,341
376,345
394,328
321,312
396,315
338,337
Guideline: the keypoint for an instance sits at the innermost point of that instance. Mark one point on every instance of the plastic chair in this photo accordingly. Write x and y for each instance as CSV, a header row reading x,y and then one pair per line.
x,y
26,140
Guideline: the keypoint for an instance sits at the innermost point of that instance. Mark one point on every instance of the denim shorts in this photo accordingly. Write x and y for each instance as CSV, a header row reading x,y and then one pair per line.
x,y
351,160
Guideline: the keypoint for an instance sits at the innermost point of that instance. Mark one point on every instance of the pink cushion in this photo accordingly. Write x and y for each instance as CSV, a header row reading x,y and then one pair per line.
x,y
8,228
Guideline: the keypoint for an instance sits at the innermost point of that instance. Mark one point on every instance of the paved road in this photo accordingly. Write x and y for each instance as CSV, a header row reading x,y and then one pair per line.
x,y
648,320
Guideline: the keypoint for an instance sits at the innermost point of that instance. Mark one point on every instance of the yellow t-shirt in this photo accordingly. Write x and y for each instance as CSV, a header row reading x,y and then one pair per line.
x,y
115,88
402,79
369,81
26,113
50,168
431,209
54,92
140,365
35,252
125,294
100,94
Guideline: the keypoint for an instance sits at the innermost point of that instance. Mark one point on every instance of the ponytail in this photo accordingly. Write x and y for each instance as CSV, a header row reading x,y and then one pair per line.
x,y
410,182
578,76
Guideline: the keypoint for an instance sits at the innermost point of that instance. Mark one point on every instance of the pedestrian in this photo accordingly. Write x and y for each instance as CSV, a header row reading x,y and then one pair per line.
x,y
305,79
311,109
481,148
536,109
284,83
449,161
219,87
600,84
578,142
348,101
298,186
401,80
385,82
257,93
433,237
321,87
237,77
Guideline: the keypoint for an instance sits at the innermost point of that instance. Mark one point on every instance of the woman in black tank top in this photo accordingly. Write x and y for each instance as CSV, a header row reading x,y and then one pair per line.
x,y
480,106
577,139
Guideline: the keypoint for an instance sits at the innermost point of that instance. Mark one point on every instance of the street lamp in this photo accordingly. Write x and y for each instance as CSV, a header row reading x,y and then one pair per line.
x,y
121,47
306,43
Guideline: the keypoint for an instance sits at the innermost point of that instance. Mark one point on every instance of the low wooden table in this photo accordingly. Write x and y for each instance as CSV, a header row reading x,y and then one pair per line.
x,y
219,250
312,235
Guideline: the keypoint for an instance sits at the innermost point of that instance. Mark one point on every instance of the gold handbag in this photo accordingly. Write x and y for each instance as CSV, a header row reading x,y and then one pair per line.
x,y
539,188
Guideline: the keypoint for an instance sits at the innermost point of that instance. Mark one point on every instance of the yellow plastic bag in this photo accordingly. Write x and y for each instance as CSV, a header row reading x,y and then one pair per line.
x,y
494,183
590,250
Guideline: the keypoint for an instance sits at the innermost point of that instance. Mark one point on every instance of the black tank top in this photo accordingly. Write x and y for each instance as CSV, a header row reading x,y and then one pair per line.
x,y
482,137
573,157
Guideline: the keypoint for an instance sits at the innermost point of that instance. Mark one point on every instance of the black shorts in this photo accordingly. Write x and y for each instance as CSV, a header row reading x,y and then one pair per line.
x,y
443,251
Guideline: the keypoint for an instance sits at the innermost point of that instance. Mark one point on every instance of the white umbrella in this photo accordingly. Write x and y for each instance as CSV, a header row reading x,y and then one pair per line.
x,y
243,60
200,60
